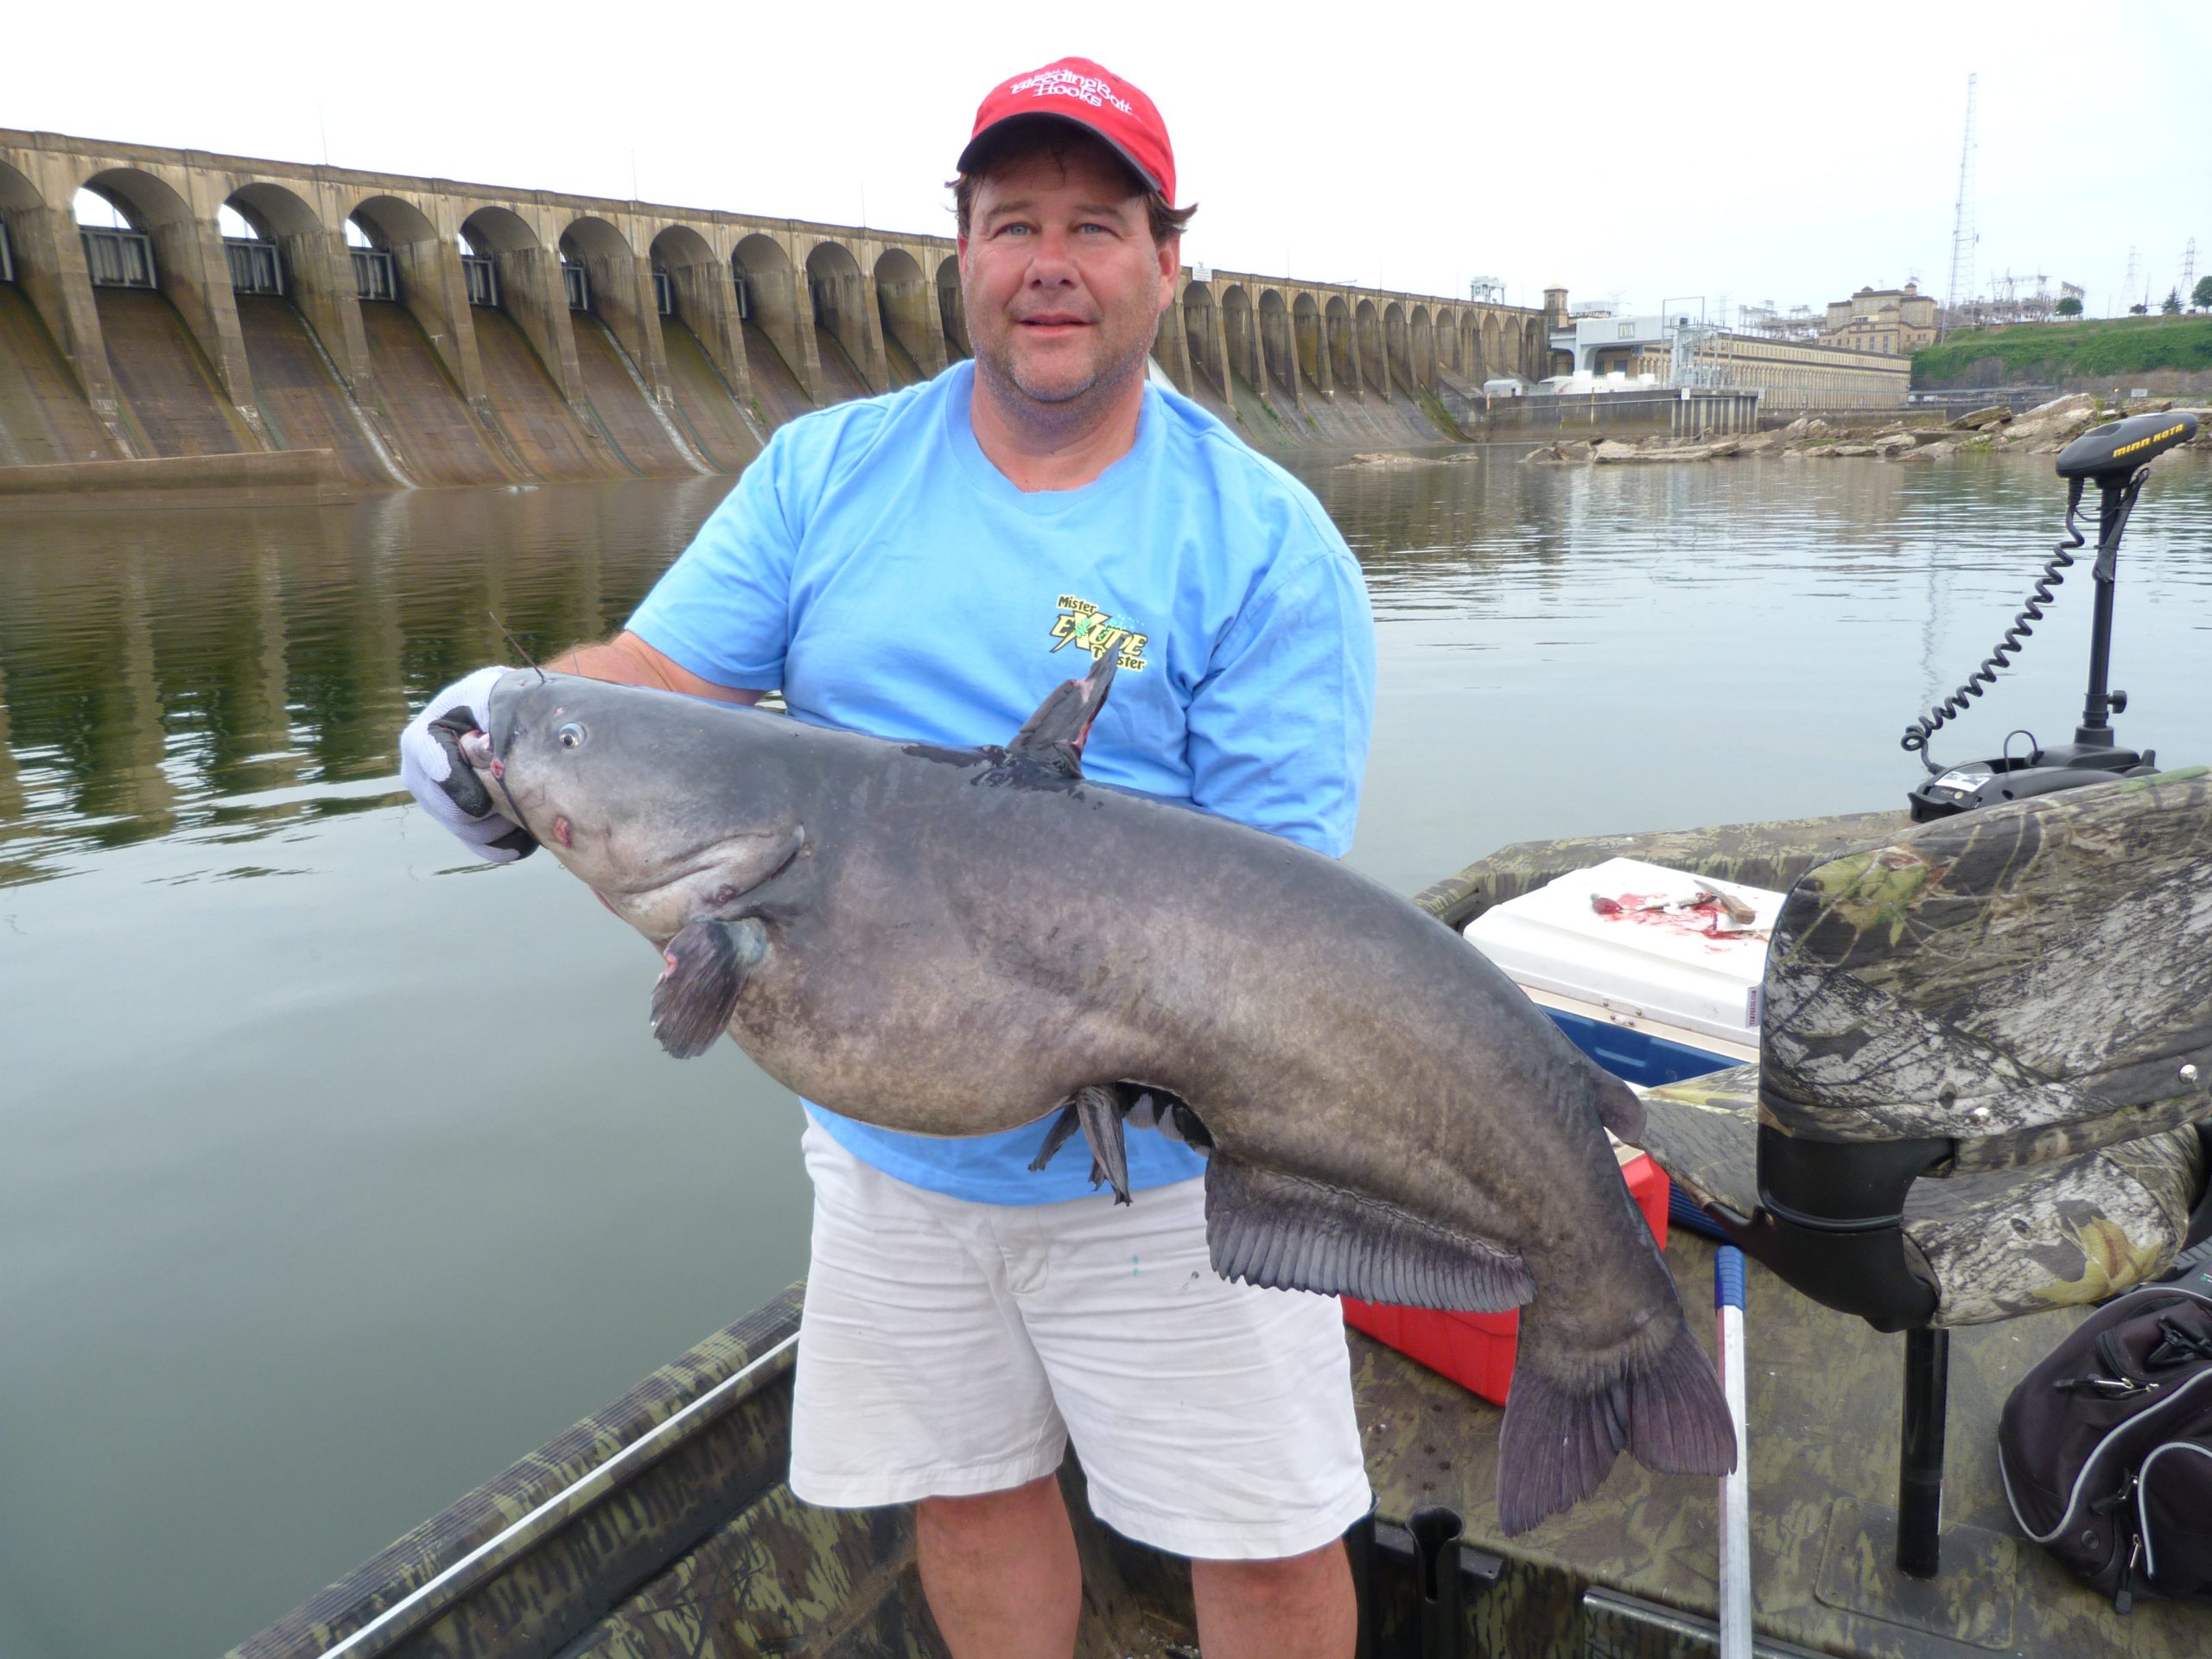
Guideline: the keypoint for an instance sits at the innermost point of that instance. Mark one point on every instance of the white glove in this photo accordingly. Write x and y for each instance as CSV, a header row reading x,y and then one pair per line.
x,y
445,784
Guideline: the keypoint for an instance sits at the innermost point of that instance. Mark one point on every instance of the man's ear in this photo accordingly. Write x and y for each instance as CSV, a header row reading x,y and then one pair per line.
x,y
1171,266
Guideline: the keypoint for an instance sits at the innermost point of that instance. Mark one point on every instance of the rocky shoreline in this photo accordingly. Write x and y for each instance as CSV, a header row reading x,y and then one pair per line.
x,y
2042,430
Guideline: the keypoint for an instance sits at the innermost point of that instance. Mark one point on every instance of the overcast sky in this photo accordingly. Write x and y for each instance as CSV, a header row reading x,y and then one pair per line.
x,y
1646,152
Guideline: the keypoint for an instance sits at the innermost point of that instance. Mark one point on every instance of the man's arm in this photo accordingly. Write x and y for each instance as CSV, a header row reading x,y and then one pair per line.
x,y
628,660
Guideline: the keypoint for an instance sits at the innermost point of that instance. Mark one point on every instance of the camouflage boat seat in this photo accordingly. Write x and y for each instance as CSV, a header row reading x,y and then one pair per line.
x,y
1985,1046
1992,1245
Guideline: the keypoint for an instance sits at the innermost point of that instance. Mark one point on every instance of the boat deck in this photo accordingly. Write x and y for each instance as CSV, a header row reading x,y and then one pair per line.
x,y
1824,1393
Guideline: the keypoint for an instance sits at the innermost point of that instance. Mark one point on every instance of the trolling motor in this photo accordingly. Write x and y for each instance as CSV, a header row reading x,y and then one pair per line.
x,y
2116,457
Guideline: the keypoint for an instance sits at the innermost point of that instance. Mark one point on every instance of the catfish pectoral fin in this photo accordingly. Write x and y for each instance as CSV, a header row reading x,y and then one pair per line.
x,y
1285,1232
1056,1137
708,962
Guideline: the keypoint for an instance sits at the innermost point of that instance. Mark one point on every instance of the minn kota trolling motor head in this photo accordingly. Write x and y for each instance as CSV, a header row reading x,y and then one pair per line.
x,y
2114,457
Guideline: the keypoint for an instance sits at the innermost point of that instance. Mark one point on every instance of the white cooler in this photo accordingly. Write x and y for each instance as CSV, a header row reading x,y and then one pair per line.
x,y
1647,960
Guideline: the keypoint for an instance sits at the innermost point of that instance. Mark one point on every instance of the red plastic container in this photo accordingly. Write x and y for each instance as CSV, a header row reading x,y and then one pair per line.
x,y
1476,1350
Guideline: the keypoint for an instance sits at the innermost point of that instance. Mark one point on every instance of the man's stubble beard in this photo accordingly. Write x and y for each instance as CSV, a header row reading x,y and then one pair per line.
x,y
1068,412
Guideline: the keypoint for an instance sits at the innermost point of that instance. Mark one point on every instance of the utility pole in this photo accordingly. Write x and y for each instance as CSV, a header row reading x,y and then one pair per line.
x,y
1962,232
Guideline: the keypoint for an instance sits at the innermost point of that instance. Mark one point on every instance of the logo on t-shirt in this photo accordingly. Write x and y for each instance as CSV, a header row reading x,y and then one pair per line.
x,y
1082,624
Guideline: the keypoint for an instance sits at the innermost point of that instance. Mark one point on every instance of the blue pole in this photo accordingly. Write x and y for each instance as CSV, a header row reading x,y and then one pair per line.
x,y
1735,1488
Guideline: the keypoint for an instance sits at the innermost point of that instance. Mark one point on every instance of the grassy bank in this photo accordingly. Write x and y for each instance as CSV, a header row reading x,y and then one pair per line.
x,y
2046,352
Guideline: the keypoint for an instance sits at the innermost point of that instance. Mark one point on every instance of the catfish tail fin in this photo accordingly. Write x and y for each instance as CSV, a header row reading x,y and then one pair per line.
x,y
1561,1434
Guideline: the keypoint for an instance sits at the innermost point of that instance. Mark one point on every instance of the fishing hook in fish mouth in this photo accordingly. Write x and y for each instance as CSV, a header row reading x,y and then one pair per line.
x,y
476,743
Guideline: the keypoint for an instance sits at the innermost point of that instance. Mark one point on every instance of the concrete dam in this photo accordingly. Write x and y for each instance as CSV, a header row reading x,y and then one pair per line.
x,y
378,331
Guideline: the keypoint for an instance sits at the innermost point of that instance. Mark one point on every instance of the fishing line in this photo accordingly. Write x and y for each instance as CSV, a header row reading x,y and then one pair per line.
x,y
520,650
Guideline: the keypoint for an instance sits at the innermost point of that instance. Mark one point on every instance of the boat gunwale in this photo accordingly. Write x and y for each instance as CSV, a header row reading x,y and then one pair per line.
x,y
430,1569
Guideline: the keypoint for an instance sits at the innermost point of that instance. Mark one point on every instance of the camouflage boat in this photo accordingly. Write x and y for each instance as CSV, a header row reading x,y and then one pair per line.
x,y
662,1525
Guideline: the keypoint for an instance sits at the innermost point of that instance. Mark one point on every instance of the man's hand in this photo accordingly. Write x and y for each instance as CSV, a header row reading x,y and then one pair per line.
x,y
431,766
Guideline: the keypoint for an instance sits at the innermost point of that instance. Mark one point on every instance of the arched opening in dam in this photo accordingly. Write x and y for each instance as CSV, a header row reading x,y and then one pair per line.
x,y
1535,350
1240,338
502,238
1201,333
1448,340
618,339
1336,329
951,308
46,415
1277,353
402,232
292,284
608,267
1305,337
1395,350
1493,356
902,304
833,285
160,288
414,311
768,310
707,369
524,342
1370,347
1421,354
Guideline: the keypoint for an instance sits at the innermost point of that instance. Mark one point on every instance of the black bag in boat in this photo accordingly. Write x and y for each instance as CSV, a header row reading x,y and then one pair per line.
x,y
2106,1447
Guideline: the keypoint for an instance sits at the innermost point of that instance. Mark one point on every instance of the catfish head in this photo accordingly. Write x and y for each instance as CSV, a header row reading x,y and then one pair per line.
x,y
663,804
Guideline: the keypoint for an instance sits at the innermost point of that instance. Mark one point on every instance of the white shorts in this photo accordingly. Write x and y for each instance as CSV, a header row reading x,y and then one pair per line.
x,y
950,1348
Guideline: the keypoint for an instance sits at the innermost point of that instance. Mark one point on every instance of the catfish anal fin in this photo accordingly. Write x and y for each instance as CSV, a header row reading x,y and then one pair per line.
x,y
707,963
1283,1231
1053,736
1097,1110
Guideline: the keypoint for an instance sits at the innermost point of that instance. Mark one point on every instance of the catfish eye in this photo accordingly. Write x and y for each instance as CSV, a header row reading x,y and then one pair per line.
x,y
570,735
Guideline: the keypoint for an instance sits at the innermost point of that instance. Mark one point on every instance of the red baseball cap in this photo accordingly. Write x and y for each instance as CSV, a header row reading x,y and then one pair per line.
x,y
1077,90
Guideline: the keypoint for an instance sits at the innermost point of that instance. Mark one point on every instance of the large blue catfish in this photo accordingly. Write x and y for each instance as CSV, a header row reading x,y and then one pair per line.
x,y
957,942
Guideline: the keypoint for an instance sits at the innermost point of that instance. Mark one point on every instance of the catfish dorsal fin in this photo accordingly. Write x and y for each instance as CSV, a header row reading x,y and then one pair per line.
x,y
1054,735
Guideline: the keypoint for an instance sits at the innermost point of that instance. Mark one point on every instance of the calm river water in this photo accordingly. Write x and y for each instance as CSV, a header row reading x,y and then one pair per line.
x,y
336,1171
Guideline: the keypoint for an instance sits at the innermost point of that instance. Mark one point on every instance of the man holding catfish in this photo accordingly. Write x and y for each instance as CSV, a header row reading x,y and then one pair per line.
x,y
917,566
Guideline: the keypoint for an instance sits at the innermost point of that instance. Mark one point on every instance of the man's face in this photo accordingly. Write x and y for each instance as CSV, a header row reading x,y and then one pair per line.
x,y
1063,283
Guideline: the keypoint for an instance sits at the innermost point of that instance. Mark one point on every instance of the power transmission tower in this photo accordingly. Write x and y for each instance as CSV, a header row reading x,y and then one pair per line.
x,y
1962,232
2189,271
2128,288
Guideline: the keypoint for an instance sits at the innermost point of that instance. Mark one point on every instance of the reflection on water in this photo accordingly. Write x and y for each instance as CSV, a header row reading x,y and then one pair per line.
x,y
213,674
325,1196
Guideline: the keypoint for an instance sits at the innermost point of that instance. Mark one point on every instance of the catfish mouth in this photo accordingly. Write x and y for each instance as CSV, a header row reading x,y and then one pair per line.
x,y
706,859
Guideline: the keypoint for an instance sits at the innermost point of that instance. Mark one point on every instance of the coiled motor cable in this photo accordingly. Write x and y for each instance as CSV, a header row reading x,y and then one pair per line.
x,y
2000,658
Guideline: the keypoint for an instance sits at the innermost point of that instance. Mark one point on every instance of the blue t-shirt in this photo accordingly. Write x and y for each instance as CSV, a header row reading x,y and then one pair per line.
x,y
876,565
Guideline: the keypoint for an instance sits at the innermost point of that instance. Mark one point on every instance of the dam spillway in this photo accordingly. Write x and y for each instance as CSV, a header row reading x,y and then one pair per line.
x,y
380,331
